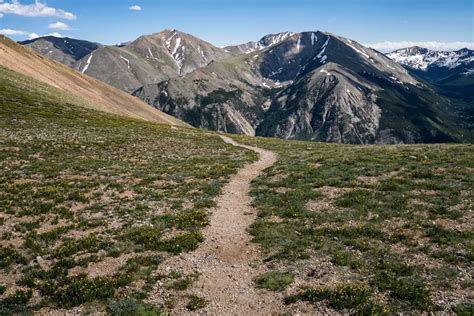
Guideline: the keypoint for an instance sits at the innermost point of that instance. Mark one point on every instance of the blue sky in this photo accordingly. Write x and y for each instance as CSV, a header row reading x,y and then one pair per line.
x,y
225,22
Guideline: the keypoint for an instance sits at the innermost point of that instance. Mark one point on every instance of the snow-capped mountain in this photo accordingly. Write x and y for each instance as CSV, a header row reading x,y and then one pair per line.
x,y
452,72
265,42
422,59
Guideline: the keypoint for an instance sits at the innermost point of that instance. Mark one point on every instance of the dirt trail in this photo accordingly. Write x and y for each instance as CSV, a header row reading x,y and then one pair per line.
x,y
227,261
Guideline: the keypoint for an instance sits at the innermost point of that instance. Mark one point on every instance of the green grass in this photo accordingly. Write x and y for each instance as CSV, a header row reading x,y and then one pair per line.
x,y
274,281
385,215
79,188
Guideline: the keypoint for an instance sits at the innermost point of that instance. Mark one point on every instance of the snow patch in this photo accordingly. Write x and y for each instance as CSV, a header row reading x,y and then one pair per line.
x,y
360,51
314,38
87,63
126,60
421,59
151,54
325,72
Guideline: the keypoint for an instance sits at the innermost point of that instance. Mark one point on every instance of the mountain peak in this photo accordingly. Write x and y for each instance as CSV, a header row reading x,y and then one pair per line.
x,y
419,58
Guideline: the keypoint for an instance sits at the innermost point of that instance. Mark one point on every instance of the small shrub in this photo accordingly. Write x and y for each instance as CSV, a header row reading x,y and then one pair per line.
x,y
342,297
349,296
373,309
195,302
15,301
274,281
192,219
3,289
127,307
464,309
185,242
10,256
147,236
78,290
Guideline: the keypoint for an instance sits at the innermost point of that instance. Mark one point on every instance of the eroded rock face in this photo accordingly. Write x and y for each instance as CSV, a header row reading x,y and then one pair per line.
x,y
311,85
329,104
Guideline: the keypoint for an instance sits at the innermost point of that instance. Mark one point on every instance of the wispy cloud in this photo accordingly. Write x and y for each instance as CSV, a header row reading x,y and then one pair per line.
x,y
10,32
59,26
391,46
135,8
36,9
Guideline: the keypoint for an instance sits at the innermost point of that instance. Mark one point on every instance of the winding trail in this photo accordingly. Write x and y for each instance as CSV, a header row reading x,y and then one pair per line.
x,y
227,260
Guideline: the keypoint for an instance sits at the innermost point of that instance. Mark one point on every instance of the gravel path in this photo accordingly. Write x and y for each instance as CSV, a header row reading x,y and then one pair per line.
x,y
227,261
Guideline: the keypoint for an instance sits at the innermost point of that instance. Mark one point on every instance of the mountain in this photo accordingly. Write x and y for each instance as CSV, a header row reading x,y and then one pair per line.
x,y
430,60
264,42
64,50
310,85
451,71
86,91
148,59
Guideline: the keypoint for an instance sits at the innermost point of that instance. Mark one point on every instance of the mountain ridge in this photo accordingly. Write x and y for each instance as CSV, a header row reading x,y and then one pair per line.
x,y
308,85
98,95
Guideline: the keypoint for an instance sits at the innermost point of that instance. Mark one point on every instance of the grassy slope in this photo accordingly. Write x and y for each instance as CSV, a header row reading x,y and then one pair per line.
x,y
370,228
99,95
82,191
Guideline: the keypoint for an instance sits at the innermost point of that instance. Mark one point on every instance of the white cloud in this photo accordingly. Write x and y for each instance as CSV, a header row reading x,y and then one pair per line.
x,y
36,9
59,26
33,36
55,34
391,46
135,8
10,32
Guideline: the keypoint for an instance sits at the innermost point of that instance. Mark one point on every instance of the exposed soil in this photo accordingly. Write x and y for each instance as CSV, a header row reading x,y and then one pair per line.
x,y
228,261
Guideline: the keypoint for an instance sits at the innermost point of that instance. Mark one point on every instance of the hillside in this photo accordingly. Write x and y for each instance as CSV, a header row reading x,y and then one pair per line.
x,y
91,203
95,94
164,229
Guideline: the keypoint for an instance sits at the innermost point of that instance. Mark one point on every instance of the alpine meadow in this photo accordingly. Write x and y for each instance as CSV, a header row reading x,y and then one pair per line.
x,y
147,172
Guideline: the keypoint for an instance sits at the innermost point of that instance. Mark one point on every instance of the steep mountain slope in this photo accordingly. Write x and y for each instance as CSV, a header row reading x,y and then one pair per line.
x,y
64,50
148,59
264,42
310,85
96,94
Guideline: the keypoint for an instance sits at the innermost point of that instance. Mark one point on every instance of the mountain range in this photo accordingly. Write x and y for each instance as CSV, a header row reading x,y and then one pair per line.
x,y
310,85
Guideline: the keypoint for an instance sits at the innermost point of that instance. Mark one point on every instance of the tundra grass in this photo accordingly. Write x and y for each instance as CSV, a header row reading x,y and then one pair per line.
x,y
394,223
91,203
